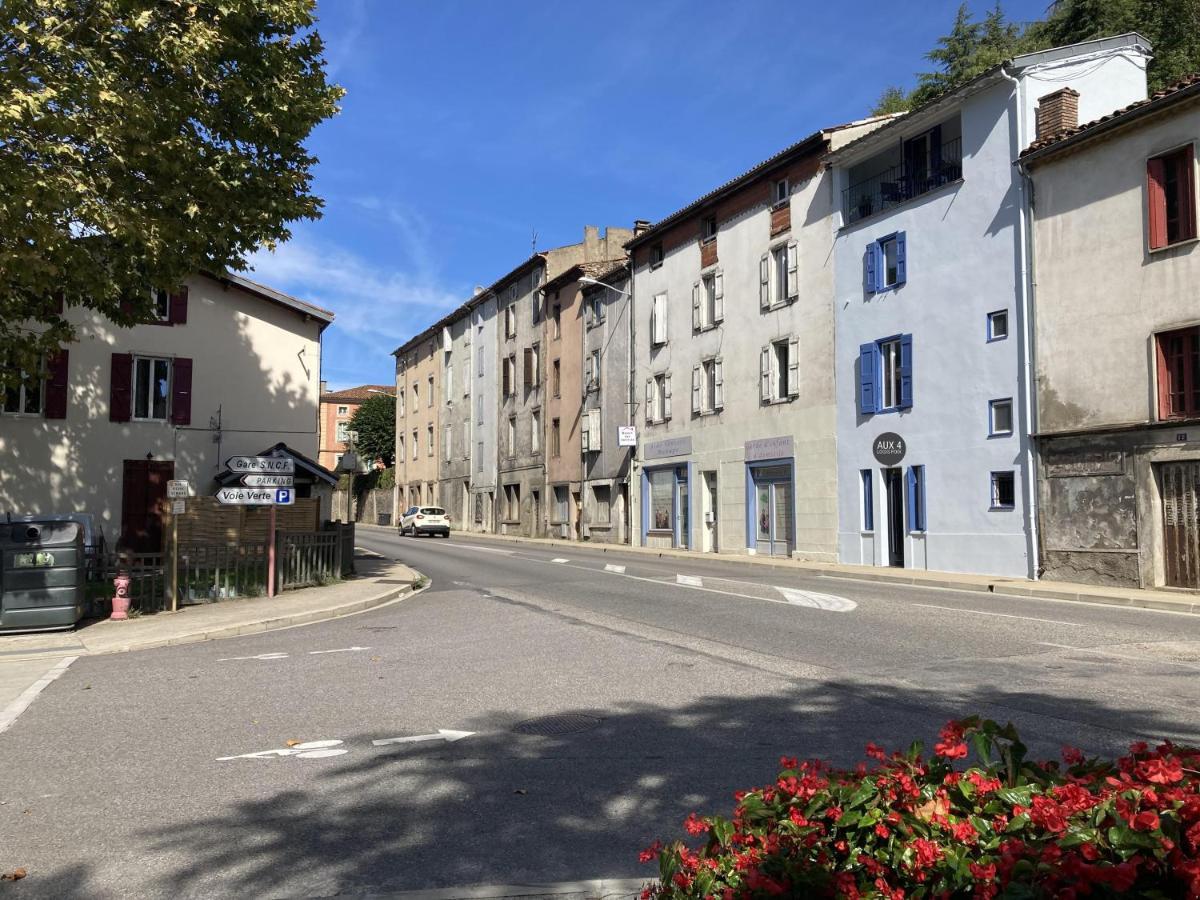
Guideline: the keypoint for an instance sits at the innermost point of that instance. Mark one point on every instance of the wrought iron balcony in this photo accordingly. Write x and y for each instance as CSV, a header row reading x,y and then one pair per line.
x,y
895,186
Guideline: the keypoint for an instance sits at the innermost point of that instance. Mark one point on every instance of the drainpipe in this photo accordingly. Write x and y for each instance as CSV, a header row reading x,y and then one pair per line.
x,y
629,468
1025,289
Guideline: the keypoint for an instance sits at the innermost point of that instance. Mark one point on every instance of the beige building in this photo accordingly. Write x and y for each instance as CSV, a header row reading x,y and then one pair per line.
x,y
418,404
230,367
1117,341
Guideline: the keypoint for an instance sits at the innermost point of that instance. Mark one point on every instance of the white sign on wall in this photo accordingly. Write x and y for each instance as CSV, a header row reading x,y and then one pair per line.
x,y
626,436
178,490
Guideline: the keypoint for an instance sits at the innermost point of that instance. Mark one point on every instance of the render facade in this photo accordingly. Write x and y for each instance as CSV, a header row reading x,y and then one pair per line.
x,y
337,409
454,419
935,465
419,367
484,405
733,360
1117,333
231,366
562,404
607,321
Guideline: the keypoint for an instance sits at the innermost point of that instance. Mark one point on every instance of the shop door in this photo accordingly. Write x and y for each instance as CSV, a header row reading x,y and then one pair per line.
x,y
894,485
710,512
143,492
773,488
1181,523
681,504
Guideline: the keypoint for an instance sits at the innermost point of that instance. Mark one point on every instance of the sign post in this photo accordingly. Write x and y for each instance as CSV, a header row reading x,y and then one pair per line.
x,y
266,481
177,491
271,551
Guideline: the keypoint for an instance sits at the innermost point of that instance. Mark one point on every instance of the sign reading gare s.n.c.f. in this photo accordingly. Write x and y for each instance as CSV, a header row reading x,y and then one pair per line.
x,y
889,449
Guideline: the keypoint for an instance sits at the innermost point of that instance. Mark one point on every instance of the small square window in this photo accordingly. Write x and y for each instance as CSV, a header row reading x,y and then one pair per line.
x,y
708,229
1004,490
1001,417
997,325
343,411
656,255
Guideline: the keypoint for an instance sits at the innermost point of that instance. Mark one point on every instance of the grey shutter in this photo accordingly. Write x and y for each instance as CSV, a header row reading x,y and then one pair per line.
x,y
719,294
793,279
583,440
696,390
764,372
718,384
793,373
667,396
764,281
696,306
594,430
649,399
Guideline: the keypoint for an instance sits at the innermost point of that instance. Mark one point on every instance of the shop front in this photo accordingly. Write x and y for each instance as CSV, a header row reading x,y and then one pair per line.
x,y
770,496
666,500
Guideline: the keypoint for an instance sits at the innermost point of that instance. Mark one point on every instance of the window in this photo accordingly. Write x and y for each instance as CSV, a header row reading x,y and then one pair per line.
x,y
399,399
479,457
535,432
885,375
779,192
593,372
656,255
662,494
1001,416
342,429
466,440
1004,490
708,301
343,410
429,440
479,409
162,305
556,321
399,450
555,438
510,375
916,498
510,321
560,503
658,320
512,435
447,441
416,396
591,431
602,502
337,459
708,387
887,262
429,398
1179,373
556,378
512,502
778,275
479,361
708,229
997,325
449,383
658,398
151,388
24,399
416,445
779,370
533,371
1171,195
596,308
868,499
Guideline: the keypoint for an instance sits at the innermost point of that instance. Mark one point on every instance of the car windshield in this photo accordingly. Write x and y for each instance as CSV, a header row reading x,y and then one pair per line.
x,y
433,511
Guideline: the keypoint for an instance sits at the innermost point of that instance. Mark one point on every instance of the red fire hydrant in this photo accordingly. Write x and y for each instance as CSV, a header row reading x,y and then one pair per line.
x,y
120,600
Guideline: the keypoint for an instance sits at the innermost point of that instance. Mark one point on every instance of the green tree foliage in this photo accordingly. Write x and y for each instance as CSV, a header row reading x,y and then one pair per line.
x,y
375,422
892,100
142,141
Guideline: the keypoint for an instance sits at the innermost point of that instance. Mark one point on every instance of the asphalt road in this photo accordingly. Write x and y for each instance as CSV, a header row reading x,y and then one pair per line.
x,y
683,681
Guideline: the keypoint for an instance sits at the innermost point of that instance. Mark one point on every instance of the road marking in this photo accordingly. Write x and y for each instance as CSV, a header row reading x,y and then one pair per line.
x,y
689,580
828,602
980,612
305,750
458,546
341,650
18,706
609,567
260,656
1141,659
442,735
559,559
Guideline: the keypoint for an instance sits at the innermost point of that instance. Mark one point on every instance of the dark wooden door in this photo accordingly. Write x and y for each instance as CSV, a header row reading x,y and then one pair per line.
x,y
894,485
143,493
1181,523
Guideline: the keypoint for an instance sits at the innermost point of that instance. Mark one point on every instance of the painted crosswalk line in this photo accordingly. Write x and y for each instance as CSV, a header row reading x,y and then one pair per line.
x,y
814,600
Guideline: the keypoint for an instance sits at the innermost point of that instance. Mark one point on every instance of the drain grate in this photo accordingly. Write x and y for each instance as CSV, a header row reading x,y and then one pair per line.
x,y
552,726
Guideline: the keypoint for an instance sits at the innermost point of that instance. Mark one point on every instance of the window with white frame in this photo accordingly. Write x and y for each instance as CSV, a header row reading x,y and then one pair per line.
x,y
779,192
343,410
890,373
162,305
447,441
510,321
997,325
342,429
779,275
1004,490
512,435
708,387
658,320
708,300
658,397
779,370
416,444
429,440
151,388
887,262
708,228
1001,416
592,440
592,372
24,398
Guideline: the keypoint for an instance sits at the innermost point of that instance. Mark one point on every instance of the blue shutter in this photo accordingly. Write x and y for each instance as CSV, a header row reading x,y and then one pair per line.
x,y
868,376
906,371
871,267
901,258
911,496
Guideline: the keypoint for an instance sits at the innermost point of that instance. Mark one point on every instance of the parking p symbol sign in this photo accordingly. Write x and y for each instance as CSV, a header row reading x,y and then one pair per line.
x,y
283,497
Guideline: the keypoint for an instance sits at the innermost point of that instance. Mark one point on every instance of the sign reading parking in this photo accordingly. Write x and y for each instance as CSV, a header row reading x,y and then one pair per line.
x,y
276,465
276,481
284,496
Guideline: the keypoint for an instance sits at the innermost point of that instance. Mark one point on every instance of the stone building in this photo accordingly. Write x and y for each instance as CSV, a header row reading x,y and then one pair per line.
x,y
1117,337
418,407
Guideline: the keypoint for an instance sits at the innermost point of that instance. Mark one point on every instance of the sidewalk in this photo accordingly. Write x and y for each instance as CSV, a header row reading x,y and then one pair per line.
x,y
379,581
1167,600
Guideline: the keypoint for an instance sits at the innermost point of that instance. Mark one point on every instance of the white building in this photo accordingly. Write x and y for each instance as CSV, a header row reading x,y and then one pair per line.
x,y
935,462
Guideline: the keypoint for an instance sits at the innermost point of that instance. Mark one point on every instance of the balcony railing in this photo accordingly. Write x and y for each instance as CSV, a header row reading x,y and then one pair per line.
x,y
895,186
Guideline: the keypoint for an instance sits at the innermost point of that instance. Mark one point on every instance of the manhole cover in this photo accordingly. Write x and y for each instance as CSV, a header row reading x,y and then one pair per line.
x,y
551,726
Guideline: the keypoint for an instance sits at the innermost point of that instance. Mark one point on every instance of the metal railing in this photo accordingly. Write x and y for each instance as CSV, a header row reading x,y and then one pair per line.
x,y
147,579
307,559
210,572
895,186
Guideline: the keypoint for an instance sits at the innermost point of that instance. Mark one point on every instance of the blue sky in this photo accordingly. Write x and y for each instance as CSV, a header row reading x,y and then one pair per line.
x,y
469,125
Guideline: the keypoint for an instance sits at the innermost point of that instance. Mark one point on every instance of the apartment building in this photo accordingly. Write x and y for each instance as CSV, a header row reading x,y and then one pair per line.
x,y
934,455
419,370
1117,332
455,418
607,404
733,350
337,409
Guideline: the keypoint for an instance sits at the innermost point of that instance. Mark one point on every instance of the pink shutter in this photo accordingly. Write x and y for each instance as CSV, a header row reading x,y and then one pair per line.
x,y
120,396
56,385
181,391
1187,194
178,306
1157,203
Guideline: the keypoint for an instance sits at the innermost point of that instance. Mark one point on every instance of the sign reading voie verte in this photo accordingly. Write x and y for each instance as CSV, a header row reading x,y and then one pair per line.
x,y
277,465
233,496
889,449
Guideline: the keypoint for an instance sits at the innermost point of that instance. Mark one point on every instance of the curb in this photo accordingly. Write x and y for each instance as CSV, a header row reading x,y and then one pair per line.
x,y
311,617
1034,590
591,890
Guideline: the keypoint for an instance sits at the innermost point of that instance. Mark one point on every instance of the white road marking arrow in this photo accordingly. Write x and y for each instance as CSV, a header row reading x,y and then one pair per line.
x,y
442,735
689,580
306,750
260,656
341,650
620,570
828,602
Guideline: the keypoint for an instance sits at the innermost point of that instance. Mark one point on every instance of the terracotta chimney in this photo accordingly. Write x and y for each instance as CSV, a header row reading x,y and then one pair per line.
x,y
1057,112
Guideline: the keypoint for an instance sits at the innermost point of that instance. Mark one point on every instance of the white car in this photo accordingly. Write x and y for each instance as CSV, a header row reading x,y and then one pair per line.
x,y
418,520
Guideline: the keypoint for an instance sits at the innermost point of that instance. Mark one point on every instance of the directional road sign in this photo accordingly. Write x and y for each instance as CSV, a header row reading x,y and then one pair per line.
x,y
275,465
232,496
284,496
268,480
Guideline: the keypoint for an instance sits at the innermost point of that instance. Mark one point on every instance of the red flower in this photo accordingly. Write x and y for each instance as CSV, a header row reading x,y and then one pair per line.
x,y
787,762
694,825
981,872
833,813
875,751
1145,821
928,852
883,831
1072,756
1048,814
964,832
950,749
650,853
1161,771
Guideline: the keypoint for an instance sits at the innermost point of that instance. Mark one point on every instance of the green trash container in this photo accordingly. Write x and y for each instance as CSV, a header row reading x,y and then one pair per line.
x,y
42,583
